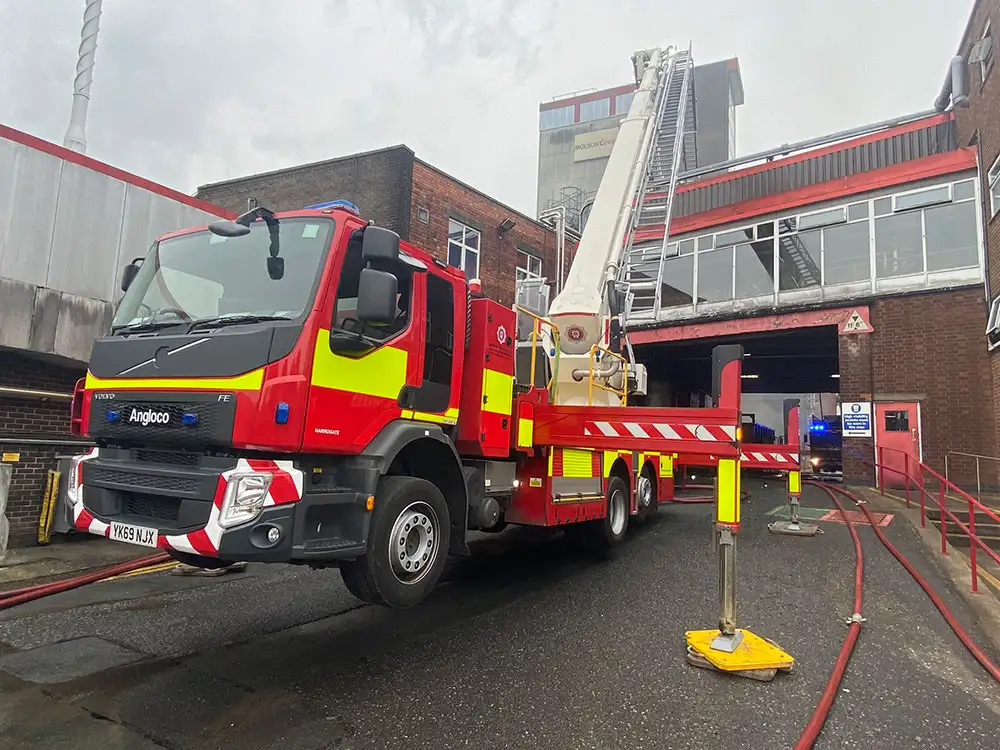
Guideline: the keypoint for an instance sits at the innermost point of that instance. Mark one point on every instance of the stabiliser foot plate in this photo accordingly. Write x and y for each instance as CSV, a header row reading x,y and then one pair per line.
x,y
752,656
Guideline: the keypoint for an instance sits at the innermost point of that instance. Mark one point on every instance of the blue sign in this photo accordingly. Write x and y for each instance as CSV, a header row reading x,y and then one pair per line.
x,y
856,419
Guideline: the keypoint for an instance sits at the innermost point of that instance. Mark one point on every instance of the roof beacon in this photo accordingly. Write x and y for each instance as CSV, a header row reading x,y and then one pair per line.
x,y
346,205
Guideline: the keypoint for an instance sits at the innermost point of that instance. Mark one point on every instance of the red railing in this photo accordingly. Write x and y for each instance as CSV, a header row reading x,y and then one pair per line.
x,y
915,474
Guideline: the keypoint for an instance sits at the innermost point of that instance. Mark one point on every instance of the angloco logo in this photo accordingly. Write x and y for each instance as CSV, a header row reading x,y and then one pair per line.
x,y
149,417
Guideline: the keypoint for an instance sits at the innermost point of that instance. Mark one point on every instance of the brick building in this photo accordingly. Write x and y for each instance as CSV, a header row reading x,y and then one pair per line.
x,y
779,254
425,206
978,127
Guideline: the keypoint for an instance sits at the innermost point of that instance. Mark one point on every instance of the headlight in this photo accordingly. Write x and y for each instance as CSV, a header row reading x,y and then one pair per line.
x,y
75,478
814,461
244,498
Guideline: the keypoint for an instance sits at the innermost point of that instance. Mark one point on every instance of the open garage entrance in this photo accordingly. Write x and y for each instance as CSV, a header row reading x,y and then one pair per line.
x,y
799,363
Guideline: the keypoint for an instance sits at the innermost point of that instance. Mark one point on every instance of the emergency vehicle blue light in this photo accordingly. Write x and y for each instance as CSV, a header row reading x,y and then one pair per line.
x,y
190,418
113,416
817,427
281,413
340,203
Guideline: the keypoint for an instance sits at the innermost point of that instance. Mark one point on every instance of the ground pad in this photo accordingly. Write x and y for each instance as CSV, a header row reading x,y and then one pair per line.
x,y
805,514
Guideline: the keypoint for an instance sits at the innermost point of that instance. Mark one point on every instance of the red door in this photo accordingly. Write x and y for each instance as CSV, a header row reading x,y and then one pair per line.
x,y
897,441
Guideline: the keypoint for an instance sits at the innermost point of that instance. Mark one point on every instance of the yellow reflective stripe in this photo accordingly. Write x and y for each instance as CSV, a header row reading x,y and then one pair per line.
x,y
577,463
449,417
525,433
379,373
552,454
728,489
251,381
498,390
794,483
607,461
666,466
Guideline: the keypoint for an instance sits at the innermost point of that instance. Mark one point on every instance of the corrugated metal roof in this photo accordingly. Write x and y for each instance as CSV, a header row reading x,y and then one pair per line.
x,y
896,148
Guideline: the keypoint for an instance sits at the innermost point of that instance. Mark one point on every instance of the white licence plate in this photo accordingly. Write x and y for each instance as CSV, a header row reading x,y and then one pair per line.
x,y
123,532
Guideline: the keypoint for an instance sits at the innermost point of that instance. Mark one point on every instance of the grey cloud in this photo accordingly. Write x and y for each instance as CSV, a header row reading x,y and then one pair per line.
x,y
189,91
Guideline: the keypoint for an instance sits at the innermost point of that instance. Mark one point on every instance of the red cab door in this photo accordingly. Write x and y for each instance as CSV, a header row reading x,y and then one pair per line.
x,y
897,441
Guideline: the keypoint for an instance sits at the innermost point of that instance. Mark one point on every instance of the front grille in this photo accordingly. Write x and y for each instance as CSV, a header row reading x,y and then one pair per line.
x,y
164,482
171,458
152,507
210,415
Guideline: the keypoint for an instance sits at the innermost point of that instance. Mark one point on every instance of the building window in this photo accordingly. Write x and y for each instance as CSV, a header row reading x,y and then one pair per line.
x,y
528,266
994,179
463,248
952,239
595,110
986,52
555,118
423,215
623,102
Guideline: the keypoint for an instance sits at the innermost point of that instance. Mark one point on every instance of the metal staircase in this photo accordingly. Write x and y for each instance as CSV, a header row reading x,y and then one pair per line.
x,y
803,271
673,151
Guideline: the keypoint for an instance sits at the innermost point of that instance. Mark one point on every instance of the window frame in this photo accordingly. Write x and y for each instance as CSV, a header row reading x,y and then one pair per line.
x,y
521,272
465,249
986,65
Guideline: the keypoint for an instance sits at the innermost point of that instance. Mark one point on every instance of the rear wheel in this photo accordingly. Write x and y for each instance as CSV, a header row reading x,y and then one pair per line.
x,y
646,499
606,533
407,544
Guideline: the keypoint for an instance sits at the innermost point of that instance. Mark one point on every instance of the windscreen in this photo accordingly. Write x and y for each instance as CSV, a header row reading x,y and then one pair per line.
x,y
200,275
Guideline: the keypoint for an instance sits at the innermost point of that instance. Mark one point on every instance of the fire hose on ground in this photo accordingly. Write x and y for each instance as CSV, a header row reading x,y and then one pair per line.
x,y
822,710
12,598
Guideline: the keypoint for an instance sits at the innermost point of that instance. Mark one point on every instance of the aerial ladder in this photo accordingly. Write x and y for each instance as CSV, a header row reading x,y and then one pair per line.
x,y
611,274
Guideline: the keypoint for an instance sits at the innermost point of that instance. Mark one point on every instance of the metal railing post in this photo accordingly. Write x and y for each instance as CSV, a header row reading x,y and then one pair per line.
x,y
923,492
941,517
979,484
973,542
880,469
906,473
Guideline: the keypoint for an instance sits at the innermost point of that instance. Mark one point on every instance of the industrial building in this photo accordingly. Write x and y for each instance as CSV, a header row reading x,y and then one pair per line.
x,y
578,130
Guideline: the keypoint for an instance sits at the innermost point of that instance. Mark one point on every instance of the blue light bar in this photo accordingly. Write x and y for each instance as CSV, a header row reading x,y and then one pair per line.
x,y
112,416
190,418
340,203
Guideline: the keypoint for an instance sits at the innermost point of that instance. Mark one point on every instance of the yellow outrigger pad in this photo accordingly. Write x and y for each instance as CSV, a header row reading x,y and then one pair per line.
x,y
752,653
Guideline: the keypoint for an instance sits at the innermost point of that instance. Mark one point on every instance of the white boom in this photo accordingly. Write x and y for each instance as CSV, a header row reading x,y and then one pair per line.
x,y
645,157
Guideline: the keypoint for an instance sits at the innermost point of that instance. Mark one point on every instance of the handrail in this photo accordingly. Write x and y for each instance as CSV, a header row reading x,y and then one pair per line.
x,y
553,383
621,393
979,481
945,514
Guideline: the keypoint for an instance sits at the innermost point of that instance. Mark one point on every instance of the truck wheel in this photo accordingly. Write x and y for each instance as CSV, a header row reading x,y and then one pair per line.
x,y
646,496
608,532
407,544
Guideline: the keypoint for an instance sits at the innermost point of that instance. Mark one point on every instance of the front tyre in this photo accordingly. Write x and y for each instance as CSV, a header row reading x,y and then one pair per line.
x,y
407,544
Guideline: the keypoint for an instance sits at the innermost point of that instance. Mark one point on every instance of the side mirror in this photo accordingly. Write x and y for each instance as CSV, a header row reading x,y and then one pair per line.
x,y
226,228
380,245
128,275
376,296
276,268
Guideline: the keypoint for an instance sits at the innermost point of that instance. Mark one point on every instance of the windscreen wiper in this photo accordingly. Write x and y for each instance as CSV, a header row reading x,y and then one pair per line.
x,y
232,320
146,327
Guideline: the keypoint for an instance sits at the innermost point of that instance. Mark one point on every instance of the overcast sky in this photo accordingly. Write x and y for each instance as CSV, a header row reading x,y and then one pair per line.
x,y
194,91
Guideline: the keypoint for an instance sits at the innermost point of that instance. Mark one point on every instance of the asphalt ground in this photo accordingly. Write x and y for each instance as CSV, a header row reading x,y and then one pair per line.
x,y
528,644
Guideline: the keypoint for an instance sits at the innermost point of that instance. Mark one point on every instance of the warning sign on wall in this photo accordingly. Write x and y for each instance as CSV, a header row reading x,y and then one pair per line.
x,y
856,419
857,322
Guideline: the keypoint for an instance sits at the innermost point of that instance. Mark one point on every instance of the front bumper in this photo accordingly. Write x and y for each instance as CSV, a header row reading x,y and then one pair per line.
x,y
187,506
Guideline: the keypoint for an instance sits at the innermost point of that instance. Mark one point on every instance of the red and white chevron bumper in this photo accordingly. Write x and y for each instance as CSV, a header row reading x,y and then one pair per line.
x,y
710,433
286,486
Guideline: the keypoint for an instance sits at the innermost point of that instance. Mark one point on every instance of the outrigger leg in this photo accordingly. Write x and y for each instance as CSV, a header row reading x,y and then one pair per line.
x,y
730,649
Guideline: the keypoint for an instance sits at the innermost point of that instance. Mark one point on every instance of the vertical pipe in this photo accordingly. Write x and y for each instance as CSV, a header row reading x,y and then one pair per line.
x,y
76,134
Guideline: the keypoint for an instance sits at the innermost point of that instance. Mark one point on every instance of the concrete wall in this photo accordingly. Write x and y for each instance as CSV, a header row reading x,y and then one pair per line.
x,y
68,225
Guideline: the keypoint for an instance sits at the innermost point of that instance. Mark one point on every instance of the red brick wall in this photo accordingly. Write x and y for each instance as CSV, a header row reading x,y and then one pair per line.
x,y
980,124
445,197
36,419
927,347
